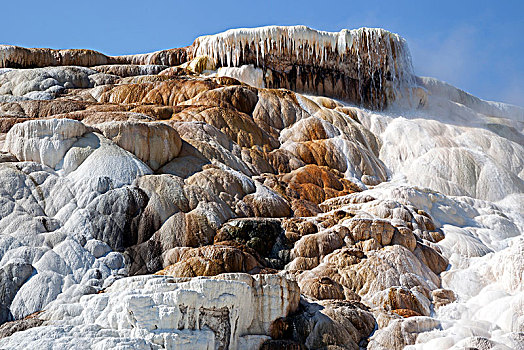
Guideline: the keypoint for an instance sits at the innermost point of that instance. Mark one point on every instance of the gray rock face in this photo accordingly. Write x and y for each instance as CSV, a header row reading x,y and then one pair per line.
x,y
49,222
325,324
12,275
24,82
68,219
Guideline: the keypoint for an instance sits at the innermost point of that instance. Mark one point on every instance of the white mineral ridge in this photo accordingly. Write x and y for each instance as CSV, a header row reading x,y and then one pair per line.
x,y
484,244
43,141
313,46
20,82
474,149
227,46
53,222
246,73
156,312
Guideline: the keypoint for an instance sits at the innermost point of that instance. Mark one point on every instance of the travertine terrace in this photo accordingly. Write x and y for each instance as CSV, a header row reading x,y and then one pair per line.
x,y
272,188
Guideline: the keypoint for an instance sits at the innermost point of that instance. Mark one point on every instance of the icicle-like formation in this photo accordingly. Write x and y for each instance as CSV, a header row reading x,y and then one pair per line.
x,y
4,53
376,61
227,48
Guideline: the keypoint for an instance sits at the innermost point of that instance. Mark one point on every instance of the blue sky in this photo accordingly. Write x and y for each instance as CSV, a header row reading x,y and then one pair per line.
x,y
477,46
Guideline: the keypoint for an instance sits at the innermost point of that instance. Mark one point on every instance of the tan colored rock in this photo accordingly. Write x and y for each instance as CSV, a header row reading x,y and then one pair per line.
x,y
276,110
242,98
157,112
167,93
374,271
345,257
437,236
211,261
200,64
238,126
442,297
41,108
404,236
6,123
322,288
396,298
405,313
295,228
368,244
15,56
434,260
302,263
283,161
266,203
229,184
93,116
320,244
169,57
128,70
318,184
308,186
154,143
329,138
205,144
405,218
363,229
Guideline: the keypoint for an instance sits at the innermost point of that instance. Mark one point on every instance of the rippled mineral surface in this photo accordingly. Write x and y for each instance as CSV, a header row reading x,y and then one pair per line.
x,y
266,188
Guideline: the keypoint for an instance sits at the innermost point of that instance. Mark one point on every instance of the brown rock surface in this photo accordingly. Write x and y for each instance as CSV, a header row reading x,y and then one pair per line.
x,y
331,324
442,297
154,143
211,261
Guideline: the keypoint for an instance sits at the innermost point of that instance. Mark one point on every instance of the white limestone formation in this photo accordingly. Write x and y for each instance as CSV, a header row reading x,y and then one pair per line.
x,y
232,311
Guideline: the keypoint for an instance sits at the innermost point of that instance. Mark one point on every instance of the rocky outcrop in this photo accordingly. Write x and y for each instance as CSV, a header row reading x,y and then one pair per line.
x,y
21,57
43,141
10,328
154,144
209,260
231,311
259,234
365,66
341,65
44,83
331,324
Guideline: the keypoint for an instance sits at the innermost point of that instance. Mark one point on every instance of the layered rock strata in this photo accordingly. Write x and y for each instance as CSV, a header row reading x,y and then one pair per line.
x,y
367,66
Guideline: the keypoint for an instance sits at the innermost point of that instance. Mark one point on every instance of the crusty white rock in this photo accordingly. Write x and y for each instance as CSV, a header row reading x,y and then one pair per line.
x,y
229,311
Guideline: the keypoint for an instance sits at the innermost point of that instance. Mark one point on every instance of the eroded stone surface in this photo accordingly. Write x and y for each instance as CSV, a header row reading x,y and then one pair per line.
x,y
150,311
